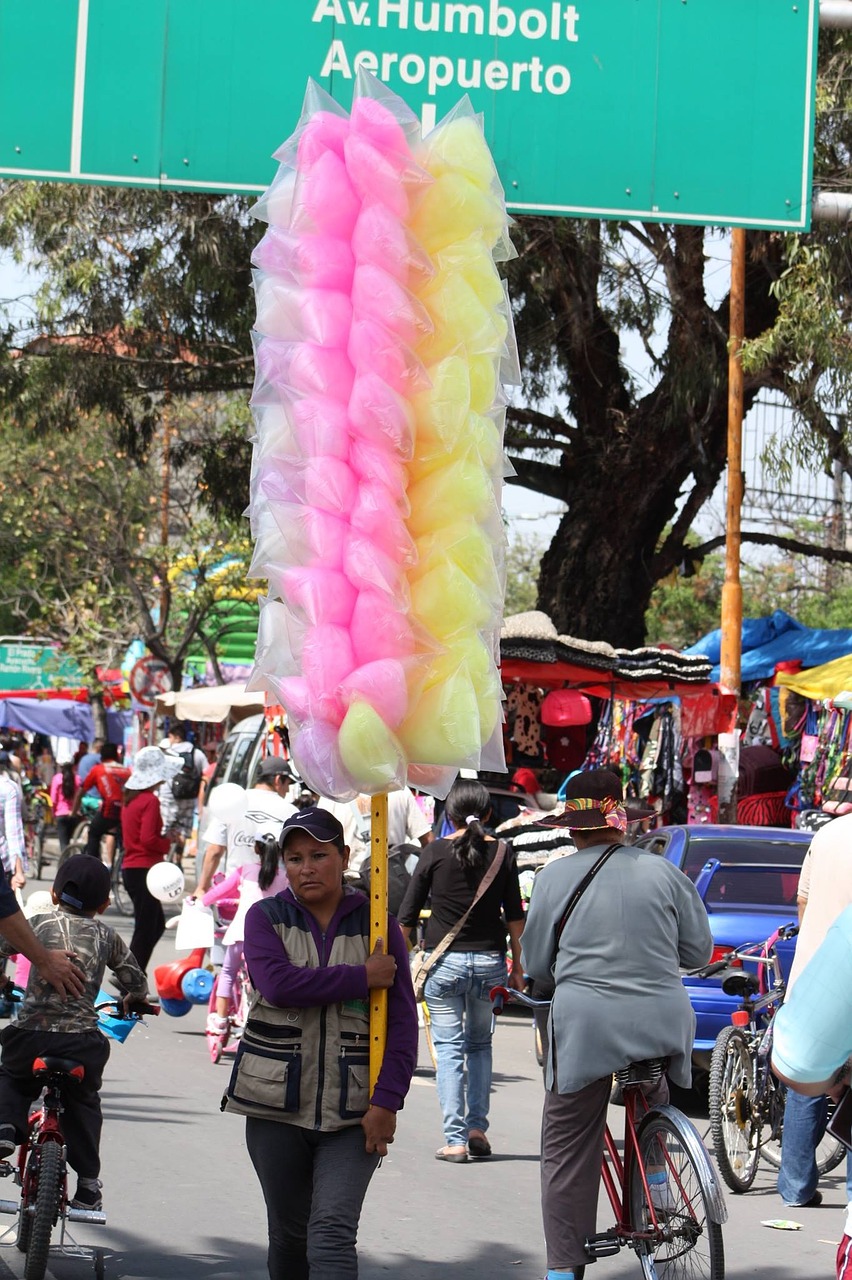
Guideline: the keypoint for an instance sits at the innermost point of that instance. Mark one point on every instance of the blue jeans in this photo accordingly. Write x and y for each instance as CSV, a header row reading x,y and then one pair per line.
x,y
458,995
804,1125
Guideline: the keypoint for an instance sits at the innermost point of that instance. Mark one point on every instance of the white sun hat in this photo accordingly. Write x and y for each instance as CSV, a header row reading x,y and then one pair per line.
x,y
151,767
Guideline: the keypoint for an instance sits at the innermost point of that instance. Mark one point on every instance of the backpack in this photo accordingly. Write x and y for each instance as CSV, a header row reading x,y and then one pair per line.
x,y
186,783
398,875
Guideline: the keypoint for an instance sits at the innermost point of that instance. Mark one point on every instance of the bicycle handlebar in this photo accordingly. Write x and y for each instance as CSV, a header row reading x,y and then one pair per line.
x,y
137,1008
749,949
501,995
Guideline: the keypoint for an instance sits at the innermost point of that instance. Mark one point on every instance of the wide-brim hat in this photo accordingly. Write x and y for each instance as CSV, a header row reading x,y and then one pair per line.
x,y
590,799
152,766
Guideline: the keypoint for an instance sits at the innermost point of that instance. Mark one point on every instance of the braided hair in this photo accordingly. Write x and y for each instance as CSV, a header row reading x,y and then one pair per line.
x,y
468,807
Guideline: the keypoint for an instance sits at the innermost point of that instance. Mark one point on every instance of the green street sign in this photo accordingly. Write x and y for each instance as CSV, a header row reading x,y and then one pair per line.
x,y
28,666
663,110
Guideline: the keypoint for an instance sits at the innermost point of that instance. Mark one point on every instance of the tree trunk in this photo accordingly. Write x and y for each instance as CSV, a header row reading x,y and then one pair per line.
x,y
99,718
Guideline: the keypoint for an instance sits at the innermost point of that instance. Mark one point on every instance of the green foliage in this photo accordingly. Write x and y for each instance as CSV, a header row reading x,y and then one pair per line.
x,y
523,561
83,549
683,609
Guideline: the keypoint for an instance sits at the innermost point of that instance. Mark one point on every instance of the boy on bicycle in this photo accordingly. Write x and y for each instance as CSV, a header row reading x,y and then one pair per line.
x,y
68,1027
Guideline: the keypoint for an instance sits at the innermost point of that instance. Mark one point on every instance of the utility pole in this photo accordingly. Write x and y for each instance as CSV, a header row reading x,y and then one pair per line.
x,y
732,592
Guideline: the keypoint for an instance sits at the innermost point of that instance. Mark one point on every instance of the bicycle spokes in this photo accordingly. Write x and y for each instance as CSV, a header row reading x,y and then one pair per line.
x,y
672,1205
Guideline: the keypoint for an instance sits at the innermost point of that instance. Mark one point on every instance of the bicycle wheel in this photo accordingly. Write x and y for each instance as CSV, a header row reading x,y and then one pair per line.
x,y
734,1117
76,845
690,1243
46,1210
121,899
25,1217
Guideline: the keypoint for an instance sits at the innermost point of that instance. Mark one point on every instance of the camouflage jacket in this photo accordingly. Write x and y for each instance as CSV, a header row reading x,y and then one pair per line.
x,y
97,947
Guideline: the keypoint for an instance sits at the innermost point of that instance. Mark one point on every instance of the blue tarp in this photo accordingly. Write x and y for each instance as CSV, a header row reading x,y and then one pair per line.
x,y
59,718
779,638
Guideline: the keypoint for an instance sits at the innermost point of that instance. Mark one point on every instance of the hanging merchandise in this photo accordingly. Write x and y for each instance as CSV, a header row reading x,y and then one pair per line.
x,y
662,770
562,707
523,710
382,338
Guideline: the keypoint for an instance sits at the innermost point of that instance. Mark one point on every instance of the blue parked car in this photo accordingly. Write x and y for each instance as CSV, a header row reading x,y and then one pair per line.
x,y
747,878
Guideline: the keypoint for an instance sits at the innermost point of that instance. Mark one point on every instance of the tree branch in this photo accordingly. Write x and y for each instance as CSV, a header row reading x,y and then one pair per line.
x,y
834,555
543,477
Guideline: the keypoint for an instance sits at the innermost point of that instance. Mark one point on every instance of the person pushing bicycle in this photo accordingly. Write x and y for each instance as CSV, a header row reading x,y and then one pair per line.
x,y
49,1024
610,926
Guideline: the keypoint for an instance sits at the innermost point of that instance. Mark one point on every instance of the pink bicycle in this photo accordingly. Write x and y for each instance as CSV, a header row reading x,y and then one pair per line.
x,y
227,1040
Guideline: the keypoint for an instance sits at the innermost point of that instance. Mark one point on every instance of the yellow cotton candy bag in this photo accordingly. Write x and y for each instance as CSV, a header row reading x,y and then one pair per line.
x,y
440,411
446,602
444,724
459,145
482,372
454,208
472,260
460,320
465,544
370,752
462,488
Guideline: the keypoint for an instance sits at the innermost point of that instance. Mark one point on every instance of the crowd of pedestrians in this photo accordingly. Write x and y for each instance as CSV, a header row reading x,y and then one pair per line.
x,y
303,928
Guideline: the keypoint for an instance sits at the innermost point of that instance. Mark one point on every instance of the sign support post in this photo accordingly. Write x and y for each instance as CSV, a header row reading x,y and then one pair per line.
x,y
732,592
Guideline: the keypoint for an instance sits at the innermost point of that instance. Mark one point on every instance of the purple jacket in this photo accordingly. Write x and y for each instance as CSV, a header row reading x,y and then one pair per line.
x,y
306,984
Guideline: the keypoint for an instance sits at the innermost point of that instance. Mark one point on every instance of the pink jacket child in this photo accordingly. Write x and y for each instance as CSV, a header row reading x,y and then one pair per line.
x,y
254,880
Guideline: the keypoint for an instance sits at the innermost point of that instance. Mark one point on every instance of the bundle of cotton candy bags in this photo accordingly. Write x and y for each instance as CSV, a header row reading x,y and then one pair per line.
x,y
382,342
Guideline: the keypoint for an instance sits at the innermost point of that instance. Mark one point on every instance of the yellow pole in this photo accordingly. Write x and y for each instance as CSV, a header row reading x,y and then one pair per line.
x,y
378,929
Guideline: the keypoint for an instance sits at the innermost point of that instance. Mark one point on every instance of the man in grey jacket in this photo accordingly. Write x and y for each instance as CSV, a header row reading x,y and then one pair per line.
x,y
618,995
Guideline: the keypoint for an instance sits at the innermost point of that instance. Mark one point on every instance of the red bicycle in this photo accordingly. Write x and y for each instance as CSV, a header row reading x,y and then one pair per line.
x,y
41,1169
673,1225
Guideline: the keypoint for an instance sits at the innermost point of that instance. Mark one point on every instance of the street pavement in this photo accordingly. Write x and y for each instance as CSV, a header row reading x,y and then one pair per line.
x,y
183,1204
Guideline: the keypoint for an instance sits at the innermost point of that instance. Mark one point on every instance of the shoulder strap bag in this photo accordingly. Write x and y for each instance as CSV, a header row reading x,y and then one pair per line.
x,y
543,989
422,964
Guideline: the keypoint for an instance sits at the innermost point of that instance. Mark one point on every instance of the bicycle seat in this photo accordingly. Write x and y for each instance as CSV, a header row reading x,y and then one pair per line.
x,y
736,982
50,1065
649,1071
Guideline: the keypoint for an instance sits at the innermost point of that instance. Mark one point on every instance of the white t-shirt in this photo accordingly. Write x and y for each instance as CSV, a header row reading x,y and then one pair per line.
x,y
406,820
238,835
826,883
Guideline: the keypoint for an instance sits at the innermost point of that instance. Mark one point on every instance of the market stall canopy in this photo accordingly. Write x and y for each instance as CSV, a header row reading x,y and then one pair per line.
x,y
58,718
831,680
779,638
213,704
531,649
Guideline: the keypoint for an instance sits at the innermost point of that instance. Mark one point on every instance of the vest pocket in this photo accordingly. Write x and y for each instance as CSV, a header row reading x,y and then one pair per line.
x,y
261,1080
354,1083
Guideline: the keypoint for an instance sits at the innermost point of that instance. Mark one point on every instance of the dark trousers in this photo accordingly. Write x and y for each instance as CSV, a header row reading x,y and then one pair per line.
x,y
65,827
149,921
572,1144
314,1185
99,827
81,1118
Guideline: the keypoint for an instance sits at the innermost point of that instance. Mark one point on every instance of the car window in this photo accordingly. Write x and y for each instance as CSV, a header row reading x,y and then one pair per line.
x,y
221,771
242,760
753,886
655,842
780,852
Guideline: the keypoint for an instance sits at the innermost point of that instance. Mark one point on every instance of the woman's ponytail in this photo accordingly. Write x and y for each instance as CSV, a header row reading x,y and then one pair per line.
x,y
468,807
270,860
